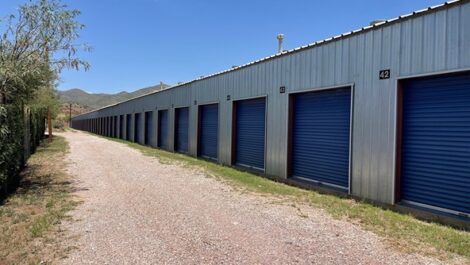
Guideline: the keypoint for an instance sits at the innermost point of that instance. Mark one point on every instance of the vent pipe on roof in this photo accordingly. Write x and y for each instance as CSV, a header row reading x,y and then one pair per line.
x,y
372,23
280,38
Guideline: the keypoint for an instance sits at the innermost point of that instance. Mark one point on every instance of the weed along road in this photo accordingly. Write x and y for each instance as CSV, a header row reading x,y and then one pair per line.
x,y
138,209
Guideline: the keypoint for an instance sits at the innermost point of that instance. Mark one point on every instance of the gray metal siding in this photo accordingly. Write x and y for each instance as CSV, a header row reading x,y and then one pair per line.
x,y
433,42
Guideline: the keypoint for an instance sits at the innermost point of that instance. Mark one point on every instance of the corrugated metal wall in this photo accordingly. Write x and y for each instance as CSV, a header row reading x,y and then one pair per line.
x,y
433,42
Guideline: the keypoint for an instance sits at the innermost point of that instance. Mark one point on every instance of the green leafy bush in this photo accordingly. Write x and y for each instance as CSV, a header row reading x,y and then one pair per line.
x,y
15,145
35,45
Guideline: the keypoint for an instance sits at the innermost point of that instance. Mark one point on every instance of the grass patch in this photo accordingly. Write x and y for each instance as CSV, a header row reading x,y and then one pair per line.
x,y
403,231
29,218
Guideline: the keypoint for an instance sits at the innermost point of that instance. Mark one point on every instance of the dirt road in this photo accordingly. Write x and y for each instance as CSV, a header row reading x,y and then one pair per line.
x,y
138,211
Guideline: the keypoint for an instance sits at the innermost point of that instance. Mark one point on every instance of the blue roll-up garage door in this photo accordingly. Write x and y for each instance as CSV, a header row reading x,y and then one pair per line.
x,y
102,126
137,127
435,150
128,127
250,133
320,137
121,126
115,130
105,126
181,130
148,138
108,126
209,131
163,129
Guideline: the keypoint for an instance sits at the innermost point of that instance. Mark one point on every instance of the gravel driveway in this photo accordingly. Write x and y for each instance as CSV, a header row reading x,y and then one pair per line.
x,y
139,211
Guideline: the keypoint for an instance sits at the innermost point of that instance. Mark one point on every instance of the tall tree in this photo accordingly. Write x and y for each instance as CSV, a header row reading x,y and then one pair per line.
x,y
37,44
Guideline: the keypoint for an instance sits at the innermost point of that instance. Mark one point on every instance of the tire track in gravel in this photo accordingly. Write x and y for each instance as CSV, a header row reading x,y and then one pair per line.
x,y
138,211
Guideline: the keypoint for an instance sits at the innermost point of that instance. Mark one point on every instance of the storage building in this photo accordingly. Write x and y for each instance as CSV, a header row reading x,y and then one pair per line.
x,y
381,113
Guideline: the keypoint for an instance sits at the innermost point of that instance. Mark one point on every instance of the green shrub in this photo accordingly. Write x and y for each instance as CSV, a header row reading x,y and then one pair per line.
x,y
15,123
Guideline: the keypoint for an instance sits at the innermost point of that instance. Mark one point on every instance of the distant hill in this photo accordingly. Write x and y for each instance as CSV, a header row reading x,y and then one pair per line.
x,y
89,101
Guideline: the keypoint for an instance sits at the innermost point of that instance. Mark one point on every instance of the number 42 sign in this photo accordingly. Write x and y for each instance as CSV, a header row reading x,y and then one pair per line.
x,y
384,74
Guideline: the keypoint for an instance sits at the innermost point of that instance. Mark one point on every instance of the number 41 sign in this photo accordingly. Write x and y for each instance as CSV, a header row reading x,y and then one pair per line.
x,y
384,74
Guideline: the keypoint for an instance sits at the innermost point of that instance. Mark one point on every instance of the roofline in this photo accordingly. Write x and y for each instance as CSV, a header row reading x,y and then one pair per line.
x,y
304,47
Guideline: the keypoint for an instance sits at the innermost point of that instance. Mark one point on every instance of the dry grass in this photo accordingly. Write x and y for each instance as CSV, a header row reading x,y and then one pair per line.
x,y
29,218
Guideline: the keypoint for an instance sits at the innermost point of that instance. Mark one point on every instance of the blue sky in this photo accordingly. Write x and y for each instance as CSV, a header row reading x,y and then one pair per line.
x,y
138,43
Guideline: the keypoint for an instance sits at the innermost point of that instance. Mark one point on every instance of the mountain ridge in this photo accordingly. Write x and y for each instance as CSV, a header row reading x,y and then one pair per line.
x,y
93,101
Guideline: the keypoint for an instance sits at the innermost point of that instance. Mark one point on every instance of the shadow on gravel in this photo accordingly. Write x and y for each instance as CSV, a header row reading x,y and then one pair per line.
x,y
45,183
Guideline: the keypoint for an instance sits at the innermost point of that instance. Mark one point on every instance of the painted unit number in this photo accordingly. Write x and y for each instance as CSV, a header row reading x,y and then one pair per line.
x,y
384,74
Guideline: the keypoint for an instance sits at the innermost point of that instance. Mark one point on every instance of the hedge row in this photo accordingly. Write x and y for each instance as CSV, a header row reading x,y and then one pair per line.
x,y
21,131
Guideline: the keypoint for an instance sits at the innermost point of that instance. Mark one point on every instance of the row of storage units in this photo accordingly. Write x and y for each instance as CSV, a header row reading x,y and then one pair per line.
x,y
321,124
354,114
435,137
